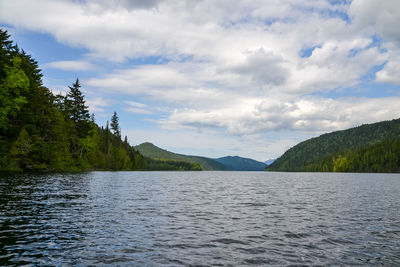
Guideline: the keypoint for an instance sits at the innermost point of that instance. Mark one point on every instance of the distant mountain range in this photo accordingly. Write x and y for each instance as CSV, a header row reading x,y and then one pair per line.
x,y
228,163
235,163
367,148
151,151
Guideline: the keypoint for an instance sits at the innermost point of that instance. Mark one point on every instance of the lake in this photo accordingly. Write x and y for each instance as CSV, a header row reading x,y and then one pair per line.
x,y
200,218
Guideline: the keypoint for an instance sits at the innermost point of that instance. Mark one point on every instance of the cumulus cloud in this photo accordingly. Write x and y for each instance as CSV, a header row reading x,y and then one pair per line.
x,y
264,68
106,5
390,73
309,114
381,18
143,78
98,104
71,65
244,68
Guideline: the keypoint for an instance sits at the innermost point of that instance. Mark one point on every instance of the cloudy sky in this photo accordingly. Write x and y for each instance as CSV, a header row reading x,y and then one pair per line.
x,y
219,77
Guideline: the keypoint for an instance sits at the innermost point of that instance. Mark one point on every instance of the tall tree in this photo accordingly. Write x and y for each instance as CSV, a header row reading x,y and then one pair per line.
x,y
76,103
77,110
115,125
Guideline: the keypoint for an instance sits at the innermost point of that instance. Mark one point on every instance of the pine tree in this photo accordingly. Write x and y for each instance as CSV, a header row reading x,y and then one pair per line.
x,y
77,110
107,139
76,103
115,125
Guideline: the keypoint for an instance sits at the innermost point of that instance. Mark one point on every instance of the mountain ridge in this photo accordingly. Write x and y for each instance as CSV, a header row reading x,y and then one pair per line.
x,y
327,148
227,163
236,163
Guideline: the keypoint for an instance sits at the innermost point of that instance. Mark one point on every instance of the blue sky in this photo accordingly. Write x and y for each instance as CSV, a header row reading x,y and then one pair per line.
x,y
216,78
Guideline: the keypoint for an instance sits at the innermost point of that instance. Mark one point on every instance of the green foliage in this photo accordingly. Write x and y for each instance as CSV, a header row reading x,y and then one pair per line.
x,y
43,132
12,87
171,165
20,150
368,148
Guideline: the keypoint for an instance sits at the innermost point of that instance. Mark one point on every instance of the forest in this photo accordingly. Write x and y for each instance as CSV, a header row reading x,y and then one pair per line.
x,y
40,131
380,157
367,148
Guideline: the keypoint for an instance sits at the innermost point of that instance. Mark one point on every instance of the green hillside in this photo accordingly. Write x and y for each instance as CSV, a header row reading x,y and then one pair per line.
x,y
151,151
235,163
355,149
380,157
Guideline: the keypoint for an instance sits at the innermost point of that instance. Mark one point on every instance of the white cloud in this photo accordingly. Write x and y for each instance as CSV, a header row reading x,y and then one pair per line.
x,y
98,104
71,65
310,114
264,68
136,107
381,15
135,104
390,73
105,5
381,18
230,66
143,78
138,110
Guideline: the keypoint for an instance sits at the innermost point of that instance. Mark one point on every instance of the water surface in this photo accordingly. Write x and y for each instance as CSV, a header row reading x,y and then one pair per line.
x,y
200,218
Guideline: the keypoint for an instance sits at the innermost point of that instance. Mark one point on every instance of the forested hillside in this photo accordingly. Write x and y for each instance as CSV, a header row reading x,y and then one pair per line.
x,y
151,151
380,157
41,131
367,148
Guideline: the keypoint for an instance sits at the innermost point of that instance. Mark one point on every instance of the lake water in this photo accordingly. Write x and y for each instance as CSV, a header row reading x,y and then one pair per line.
x,y
200,218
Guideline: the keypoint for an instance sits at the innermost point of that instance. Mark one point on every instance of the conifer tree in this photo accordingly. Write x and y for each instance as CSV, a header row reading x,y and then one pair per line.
x,y
76,103
107,139
77,110
115,125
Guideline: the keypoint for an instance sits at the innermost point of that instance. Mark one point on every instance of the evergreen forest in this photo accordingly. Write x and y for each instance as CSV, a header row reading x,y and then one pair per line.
x,y
367,148
40,131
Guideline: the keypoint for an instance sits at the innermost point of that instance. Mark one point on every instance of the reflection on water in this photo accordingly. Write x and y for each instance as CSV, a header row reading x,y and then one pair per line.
x,y
193,218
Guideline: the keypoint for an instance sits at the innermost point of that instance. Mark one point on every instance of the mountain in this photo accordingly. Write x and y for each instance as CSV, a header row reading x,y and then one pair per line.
x,y
367,148
269,162
241,164
151,151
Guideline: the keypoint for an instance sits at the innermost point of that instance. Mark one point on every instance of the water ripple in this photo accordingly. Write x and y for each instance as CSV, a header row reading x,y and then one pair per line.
x,y
199,219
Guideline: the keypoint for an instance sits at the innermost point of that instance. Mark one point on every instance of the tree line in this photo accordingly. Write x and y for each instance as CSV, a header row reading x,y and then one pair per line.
x,y
40,131
380,157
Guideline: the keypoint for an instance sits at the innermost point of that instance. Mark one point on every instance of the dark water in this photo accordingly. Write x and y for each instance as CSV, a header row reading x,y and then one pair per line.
x,y
200,218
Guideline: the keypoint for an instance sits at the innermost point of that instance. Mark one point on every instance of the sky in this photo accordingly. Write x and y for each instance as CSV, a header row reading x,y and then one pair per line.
x,y
219,77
